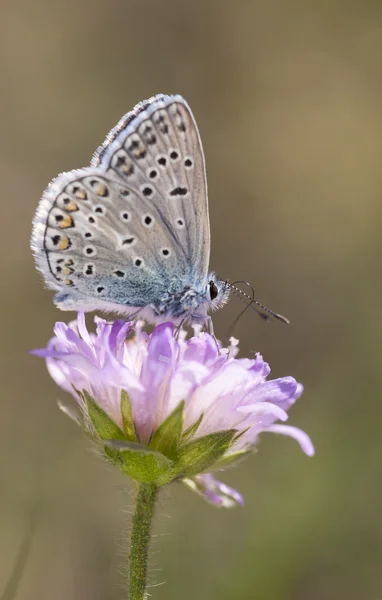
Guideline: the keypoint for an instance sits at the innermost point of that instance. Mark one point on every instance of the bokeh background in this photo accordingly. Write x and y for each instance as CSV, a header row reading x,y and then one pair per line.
x,y
288,97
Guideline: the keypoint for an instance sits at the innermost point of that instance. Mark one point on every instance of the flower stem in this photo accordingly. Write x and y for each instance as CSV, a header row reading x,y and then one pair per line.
x,y
140,540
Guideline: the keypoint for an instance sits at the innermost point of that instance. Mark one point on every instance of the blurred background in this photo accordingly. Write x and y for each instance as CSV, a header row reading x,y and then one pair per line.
x,y
287,96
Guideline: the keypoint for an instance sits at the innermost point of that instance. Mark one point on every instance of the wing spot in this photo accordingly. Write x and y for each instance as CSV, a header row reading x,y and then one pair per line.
x,y
119,273
100,289
64,243
180,223
99,188
89,270
153,173
148,221
64,221
165,252
137,149
99,209
91,220
135,143
125,216
174,155
128,169
179,191
90,250
138,262
79,192
148,135
147,191
120,159
161,122
125,193
69,205
122,163
188,162
128,241
162,161
88,234
66,270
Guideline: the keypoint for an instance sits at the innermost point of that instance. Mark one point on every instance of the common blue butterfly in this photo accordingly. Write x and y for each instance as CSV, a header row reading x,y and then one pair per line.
x,y
131,232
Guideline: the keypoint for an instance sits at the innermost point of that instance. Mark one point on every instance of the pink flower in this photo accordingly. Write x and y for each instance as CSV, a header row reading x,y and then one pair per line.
x,y
158,371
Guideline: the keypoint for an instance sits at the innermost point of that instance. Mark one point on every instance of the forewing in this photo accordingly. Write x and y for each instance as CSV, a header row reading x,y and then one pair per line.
x,y
156,149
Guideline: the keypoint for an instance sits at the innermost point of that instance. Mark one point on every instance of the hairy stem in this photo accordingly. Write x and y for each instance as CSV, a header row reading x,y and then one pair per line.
x,y
140,540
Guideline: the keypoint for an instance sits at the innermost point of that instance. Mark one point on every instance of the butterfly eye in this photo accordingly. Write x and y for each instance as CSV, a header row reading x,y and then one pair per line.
x,y
213,290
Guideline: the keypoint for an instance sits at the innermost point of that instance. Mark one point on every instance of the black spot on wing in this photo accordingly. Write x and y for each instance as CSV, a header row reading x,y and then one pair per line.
x,y
179,191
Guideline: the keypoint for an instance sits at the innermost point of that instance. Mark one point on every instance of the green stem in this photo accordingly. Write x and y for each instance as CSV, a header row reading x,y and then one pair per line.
x,y
140,540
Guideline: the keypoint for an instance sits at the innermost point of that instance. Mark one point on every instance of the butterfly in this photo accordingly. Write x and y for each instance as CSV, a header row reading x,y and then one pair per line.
x,y
130,233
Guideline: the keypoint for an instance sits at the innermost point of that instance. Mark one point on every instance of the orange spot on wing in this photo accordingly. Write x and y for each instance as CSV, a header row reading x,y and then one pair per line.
x,y
67,221
64,243
72,206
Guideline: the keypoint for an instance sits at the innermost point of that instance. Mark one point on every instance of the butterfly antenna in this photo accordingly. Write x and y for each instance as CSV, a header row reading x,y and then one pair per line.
x,y
237,292
254,304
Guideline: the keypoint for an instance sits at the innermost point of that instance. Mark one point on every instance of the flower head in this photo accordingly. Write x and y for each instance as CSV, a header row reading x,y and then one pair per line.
x,y
184,405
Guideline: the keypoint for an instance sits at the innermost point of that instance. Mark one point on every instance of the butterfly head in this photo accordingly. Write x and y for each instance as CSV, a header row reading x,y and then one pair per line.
x,y
217,292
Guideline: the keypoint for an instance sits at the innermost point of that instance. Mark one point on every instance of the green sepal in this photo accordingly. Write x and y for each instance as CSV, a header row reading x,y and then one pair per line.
x,y
234,457
167,437
168,455
127,417
102,423
200,454
240,434
190,432
141,463
114,456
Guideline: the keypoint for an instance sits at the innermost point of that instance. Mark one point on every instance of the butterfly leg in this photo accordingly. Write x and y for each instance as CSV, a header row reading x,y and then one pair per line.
x,y
178,329
210,327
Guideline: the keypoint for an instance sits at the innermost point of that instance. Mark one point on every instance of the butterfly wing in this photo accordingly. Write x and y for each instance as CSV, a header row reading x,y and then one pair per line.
x,y
157,149
133,226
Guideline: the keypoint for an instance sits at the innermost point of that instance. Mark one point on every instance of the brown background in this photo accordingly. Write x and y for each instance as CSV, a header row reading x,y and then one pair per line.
x,y
288,100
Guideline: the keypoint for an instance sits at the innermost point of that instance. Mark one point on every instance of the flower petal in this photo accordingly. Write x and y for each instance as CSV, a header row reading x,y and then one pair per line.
x,y
300,436
214,491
